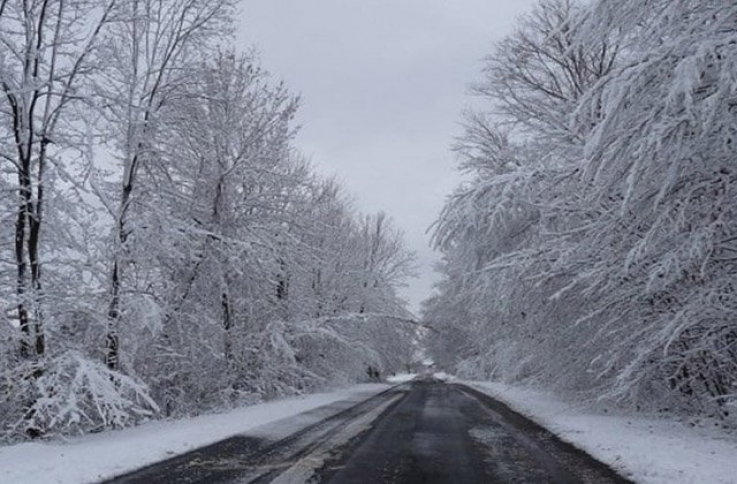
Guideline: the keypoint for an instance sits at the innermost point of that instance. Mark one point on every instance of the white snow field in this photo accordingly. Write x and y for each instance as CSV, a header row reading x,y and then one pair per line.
x,y
96,457
646,450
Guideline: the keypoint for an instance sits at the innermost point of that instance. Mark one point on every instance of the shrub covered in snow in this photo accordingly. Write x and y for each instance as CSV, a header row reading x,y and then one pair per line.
x,y
71,393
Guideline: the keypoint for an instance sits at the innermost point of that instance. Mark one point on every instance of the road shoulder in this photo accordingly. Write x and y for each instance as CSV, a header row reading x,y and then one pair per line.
x,y
93,458
648,450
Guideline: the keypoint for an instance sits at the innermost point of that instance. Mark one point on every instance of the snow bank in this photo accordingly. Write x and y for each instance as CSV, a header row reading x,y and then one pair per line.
x,y
443,376
647,450
401,377
95,457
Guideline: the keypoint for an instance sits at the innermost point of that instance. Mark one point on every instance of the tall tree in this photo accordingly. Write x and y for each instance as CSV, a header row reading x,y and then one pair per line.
x,y
44,67
151,48
662,161
523,155
599,212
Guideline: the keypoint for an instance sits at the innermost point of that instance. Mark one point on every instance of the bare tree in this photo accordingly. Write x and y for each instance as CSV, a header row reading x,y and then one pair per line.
x,y
537,74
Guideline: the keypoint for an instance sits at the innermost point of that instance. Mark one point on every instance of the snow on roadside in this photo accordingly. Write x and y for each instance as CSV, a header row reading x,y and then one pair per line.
x,y
95,457
646,450
401,377
443,376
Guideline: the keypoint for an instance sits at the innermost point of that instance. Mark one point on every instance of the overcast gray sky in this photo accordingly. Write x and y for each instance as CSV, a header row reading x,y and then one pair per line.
x,y
383,85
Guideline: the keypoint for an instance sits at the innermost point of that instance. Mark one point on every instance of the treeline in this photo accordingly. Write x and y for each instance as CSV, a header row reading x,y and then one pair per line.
x,y
593,248
163,247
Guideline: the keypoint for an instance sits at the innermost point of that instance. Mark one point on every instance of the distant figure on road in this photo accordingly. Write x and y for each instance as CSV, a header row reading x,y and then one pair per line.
x,y
373,373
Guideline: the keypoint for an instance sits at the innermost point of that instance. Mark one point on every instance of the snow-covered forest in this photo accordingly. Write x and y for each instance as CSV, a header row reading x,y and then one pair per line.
x,y
593,247
164,248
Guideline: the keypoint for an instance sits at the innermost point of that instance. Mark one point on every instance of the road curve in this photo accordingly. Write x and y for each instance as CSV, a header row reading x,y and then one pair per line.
x,y
424,432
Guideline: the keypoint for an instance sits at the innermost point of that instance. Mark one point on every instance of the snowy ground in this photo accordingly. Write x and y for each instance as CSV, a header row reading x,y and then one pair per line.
x,y
96,457
401,378
647,450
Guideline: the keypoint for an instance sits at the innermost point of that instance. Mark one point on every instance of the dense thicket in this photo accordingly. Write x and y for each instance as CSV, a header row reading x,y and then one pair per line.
x,y
593,247
163,248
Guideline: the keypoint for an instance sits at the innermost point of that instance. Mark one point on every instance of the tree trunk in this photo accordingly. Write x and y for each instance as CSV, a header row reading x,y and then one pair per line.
x,y
112,338
20,285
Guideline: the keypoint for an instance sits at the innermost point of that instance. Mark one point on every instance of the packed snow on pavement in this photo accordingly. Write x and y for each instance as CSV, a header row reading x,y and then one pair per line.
x,y
646,450
92,458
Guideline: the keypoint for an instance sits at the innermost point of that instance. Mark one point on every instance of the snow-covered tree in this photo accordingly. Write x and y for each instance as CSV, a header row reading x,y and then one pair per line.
x,y
192,259
662,157
150,49
593,240
44,69
522,154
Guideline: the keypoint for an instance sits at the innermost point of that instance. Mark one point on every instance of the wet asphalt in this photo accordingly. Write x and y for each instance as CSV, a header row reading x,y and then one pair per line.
x,y
424,432
446,433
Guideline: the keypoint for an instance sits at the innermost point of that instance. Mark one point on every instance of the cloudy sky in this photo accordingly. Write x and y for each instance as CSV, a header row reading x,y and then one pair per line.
x,y
383,85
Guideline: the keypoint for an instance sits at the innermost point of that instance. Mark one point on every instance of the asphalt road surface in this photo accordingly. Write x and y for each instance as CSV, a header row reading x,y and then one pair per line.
x,y
422,432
